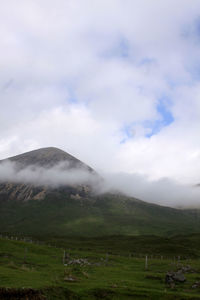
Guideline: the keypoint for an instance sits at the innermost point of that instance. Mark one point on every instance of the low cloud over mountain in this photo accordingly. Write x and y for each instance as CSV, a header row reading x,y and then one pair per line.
x,y
164,191
54,176
52,167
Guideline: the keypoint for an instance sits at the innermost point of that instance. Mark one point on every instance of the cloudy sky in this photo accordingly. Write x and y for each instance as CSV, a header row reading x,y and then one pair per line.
x,y
115,83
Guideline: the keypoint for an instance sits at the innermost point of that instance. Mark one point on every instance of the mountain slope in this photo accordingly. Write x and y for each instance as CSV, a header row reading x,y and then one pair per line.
x,y
73,210
105,215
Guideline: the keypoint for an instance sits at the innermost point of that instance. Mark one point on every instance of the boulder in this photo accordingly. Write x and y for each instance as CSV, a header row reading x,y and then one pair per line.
x,y
179,277
172,277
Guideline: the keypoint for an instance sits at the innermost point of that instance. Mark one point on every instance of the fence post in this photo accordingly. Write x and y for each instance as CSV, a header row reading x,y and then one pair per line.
x,y
146,262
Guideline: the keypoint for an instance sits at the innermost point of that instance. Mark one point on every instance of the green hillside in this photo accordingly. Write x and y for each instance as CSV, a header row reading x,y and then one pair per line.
x,y
104,215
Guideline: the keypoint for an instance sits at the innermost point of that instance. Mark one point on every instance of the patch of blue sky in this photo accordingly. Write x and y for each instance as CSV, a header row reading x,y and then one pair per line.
x,y
128,132
165,120
155,126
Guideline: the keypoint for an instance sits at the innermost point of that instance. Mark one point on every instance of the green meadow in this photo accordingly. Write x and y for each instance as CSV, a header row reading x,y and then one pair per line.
x,y
40,271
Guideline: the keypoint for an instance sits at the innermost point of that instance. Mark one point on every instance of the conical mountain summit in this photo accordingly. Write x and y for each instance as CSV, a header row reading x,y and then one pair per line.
x,y
47,157
38,173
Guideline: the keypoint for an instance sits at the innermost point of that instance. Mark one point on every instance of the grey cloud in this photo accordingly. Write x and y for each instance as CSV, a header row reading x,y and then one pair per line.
x,y
57,175
164,191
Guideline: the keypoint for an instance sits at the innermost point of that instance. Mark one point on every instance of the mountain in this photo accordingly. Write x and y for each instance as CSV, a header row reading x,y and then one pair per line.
x,y
39,164
47,157
74,209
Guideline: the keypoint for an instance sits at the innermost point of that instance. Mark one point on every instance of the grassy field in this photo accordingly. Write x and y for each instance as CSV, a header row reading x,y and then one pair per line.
x,y
180,245
38,271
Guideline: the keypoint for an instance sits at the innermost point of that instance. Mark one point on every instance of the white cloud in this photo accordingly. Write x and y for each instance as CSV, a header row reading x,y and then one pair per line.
x,y
54,176
74,74
163,191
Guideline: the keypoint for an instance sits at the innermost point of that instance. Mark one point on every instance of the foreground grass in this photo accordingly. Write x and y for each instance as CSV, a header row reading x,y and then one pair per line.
x,y
40,267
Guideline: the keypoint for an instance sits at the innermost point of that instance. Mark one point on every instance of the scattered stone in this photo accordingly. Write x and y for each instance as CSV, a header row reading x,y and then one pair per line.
x,y
71,279
186,269
79,261
196,285
172,277
179,277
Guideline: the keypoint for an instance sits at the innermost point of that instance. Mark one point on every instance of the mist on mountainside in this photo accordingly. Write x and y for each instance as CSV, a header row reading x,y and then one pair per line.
x,y
54,176
163,192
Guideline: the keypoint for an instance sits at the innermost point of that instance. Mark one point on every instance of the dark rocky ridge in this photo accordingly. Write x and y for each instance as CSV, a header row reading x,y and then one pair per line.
x,y
45,158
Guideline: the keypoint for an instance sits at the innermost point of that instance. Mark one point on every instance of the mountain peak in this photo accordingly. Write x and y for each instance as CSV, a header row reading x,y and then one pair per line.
x,y
36,173
47,157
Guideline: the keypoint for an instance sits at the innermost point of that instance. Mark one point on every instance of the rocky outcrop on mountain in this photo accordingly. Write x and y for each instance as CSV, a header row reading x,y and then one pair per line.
x,y
21,192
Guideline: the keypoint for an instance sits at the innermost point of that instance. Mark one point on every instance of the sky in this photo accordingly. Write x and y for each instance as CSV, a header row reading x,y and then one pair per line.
x,y
115,83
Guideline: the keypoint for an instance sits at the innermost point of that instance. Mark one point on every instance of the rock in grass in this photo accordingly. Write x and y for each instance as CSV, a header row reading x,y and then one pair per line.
x,y
172,277
187,269
79,261
196,285
179,277
71,279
